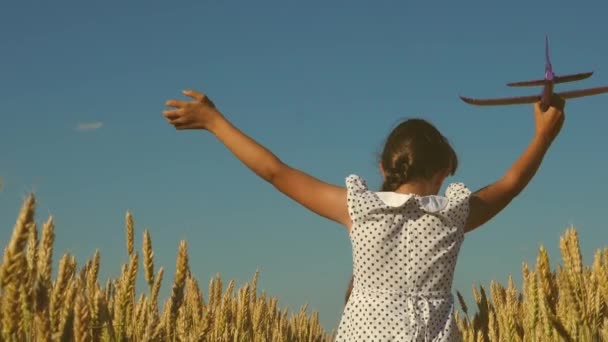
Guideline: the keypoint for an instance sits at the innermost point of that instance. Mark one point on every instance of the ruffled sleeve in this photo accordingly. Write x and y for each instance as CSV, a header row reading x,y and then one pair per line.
x,y
355,188
458,203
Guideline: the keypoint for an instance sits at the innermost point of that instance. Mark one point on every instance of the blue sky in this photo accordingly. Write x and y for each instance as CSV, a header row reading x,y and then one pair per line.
x,y
321,84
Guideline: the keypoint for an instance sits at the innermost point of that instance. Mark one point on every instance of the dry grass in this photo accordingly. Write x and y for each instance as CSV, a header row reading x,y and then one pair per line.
x,y
567,304
75,307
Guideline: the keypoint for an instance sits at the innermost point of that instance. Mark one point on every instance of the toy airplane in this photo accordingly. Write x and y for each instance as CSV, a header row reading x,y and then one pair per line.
x,y
547,97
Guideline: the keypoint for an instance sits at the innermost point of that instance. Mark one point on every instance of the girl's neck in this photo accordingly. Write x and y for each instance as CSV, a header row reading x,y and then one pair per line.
x,y
420,188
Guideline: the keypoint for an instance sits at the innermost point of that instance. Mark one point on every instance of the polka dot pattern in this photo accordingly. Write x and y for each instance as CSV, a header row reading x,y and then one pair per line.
x,y
403,264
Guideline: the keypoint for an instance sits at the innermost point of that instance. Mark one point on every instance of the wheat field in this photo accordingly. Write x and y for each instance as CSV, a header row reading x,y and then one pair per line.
x,y
565,304
76,307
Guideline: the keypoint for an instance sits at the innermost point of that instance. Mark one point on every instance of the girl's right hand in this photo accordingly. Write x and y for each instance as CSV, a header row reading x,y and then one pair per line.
x,y
549,123
197,114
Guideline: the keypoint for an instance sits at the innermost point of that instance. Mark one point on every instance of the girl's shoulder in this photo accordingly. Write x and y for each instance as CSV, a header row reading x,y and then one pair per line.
x,y
455,198
454,190
356,183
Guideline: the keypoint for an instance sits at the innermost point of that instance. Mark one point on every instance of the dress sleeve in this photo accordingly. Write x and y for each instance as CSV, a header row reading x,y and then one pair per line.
x,y
355,188
458,196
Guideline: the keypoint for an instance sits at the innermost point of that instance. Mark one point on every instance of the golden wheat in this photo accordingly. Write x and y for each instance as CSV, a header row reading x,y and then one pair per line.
x,y
565,304
568,304
75,307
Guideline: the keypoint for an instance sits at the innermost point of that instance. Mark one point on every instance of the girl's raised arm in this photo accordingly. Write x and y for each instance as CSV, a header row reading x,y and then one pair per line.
x,y
322,198
489,201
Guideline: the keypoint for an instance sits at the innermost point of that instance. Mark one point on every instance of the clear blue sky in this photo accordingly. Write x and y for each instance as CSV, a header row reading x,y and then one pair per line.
x,y
320,83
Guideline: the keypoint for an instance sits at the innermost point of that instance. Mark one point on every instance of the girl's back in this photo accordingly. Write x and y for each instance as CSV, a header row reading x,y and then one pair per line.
x,y
405,249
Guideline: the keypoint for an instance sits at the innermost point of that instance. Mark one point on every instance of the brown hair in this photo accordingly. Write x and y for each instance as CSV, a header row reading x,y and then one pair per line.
x,y
349,289
415,149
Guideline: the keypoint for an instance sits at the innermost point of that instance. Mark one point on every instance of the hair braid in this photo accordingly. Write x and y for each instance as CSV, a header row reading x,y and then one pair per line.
x,y
397,173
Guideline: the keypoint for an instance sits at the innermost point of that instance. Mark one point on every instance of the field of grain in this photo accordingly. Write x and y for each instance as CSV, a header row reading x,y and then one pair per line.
x,y
565,304
76,307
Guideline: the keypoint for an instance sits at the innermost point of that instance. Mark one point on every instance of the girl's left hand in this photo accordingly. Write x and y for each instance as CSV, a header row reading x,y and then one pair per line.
x,y
197,114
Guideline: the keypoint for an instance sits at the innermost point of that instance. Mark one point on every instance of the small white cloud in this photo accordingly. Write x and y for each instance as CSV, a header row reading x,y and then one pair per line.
x,y
89,126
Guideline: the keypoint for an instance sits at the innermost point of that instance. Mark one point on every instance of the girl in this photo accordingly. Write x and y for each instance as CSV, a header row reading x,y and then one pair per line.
x,y
405,238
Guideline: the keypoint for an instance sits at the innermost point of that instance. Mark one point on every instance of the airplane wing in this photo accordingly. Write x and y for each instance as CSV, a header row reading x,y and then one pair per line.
x,y
583,92
556,79
501,101
533,98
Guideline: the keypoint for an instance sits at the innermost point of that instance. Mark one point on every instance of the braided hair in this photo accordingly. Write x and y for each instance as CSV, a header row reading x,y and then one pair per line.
x,y
415,150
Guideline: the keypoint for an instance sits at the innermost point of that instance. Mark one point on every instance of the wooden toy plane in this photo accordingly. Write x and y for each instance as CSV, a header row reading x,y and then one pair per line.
x,y
547,97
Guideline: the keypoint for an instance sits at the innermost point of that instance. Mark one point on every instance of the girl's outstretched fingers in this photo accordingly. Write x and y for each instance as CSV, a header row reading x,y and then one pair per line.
x,y
197,114
173,116
194,94
200,97
176,103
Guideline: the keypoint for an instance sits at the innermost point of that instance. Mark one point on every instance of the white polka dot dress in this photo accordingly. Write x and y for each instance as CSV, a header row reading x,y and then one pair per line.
x,y
405,249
